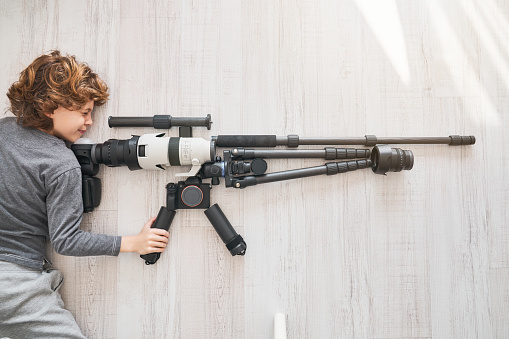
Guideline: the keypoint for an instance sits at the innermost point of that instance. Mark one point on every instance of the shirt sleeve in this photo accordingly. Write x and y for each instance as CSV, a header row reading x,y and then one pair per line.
x,y
65,211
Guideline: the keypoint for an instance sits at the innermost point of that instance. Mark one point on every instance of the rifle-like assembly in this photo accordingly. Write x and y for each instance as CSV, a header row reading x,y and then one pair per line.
x,y
240,166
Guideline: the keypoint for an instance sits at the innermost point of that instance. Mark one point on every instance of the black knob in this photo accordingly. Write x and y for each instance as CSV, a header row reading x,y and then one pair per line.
x,y
258,166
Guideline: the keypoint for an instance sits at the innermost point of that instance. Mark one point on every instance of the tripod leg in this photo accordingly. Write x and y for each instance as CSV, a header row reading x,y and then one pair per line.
x,y
330,168
233,240
163,221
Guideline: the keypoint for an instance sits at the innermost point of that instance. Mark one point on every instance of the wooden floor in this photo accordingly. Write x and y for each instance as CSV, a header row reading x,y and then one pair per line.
x,y
416,254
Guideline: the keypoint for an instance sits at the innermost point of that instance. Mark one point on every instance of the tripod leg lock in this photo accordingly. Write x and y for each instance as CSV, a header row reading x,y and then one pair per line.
x,y
332,153
346,166
293,140
458,140
371,140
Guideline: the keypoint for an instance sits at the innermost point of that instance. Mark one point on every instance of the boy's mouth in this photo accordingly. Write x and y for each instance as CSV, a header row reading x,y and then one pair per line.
x,y
82,131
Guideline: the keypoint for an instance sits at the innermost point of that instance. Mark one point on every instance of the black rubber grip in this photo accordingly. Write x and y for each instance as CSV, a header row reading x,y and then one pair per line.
x,y
163,221
246,141
220,223
130,121
459,140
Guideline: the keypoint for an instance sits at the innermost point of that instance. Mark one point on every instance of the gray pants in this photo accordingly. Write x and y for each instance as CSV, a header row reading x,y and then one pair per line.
x,y
31,306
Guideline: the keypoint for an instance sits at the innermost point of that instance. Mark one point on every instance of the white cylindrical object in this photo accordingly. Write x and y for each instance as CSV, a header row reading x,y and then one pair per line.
x,y
156,151
279,326
194,151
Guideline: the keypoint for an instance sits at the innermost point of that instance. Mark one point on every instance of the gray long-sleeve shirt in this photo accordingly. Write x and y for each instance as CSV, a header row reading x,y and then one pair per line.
x,y
40,199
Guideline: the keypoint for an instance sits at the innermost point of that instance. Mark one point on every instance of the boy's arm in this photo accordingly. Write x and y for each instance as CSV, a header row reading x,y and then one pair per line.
x,y
65,209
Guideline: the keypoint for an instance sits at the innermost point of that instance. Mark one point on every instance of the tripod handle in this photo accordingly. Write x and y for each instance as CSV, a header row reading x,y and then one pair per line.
x,y
163,221
246,141
159,121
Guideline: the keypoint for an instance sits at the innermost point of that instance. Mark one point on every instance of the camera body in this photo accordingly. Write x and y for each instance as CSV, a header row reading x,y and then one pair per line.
x,y
189,194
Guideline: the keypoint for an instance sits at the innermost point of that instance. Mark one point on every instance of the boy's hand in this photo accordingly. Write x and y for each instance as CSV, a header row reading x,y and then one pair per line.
x,y
149,240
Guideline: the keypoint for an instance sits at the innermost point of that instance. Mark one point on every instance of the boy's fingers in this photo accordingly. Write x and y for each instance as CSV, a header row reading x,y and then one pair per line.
x,y
157,244
161,232
159,238
155,250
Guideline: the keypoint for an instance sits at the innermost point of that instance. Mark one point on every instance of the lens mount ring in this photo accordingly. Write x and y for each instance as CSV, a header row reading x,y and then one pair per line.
x,y
398,159
112,154
93,155
106,153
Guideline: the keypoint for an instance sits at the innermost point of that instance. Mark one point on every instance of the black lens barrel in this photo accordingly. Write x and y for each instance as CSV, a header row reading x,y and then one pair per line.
x,y
114,153
386,159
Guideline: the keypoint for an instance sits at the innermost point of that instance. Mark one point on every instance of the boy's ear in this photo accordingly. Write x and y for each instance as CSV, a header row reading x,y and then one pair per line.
x,y
48,114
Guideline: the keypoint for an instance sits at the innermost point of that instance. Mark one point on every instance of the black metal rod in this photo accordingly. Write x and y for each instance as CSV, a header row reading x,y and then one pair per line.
x,y
291,174
368,140
328,169
371,140
362,141
329,153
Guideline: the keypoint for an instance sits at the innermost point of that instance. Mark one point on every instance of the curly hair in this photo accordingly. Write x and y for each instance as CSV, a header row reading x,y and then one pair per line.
x,y
50,81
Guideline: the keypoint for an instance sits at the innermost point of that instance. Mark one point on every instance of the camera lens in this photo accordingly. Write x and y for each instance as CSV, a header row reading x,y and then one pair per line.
x,y
386,159
116,153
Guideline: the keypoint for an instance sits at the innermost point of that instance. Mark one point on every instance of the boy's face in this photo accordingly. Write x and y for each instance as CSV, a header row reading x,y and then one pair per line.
x,y
71,125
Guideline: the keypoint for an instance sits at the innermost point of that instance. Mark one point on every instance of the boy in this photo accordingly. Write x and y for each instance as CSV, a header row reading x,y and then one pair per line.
x,y
40,195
